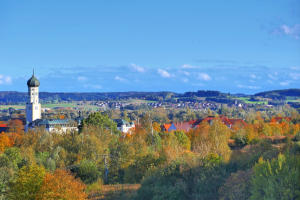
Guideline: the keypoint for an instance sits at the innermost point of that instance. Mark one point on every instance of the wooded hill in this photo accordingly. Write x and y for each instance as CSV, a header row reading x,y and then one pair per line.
x,y
12,97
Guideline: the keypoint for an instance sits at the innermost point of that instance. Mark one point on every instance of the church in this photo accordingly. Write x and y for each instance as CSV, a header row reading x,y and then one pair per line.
x,y
33,112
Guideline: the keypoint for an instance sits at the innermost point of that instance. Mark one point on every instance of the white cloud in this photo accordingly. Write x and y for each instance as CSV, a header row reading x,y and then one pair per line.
x,y
186,73
284,83
251,87
137,68
293,31
204,77
296,68
295,76
118,78
187,66
253,76
164,73
273,76
81,78
185,80
5,79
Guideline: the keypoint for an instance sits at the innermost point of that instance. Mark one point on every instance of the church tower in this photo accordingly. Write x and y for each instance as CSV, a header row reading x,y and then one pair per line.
x,y
33,107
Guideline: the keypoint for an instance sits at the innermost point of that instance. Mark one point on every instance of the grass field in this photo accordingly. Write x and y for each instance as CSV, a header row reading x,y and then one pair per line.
x,y
112,192
62,105
294,100
247,100
17,107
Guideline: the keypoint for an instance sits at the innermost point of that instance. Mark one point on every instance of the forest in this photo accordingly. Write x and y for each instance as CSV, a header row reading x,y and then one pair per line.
x,y
10,97
259,160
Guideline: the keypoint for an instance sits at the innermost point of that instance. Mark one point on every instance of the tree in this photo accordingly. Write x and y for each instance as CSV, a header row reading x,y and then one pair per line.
x,y
156,127
101,121
237,186
4,142
27,183
61,185
16,126
183,139
87,171
5,176
212,139
276,179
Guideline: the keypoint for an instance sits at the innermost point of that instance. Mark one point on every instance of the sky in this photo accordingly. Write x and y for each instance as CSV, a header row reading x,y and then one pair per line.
x,y
114,46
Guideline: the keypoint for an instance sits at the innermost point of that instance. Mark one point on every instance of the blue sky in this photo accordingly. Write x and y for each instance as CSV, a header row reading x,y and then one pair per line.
x,y
107,46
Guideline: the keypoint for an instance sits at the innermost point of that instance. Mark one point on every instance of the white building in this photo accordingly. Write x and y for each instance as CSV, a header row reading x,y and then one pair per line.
x,y
33,107
33,112
56,125
124,126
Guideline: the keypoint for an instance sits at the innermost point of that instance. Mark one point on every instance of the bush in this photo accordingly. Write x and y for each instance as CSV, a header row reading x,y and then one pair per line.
x,y
276,179
240,140
297,137
237,186
181,181
183,139
87,171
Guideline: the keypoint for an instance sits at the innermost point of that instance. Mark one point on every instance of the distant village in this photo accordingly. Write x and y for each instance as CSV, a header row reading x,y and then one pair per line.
x,y
67,118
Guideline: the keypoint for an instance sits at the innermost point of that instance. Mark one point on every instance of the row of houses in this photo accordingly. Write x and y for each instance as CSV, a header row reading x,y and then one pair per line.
x,y
186,126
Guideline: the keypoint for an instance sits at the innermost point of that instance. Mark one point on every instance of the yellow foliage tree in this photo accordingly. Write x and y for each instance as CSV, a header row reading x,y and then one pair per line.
x,y
4,142
27,183
61,185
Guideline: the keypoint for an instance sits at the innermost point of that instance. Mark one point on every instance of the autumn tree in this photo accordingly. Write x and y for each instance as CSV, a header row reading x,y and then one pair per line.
x,y
183,139
214,140
4,142
61,185
16,126
27,183
156,127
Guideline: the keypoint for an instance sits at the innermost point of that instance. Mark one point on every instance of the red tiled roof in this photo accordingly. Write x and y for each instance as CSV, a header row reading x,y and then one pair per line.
x,y
183,126
166,126
3,125
238,121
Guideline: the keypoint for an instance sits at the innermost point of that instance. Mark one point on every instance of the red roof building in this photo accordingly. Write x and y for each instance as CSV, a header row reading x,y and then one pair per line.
x,y
3,128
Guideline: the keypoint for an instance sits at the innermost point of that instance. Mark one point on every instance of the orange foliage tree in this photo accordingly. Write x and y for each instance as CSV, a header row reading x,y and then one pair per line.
x,y
4,142
61,185
16,126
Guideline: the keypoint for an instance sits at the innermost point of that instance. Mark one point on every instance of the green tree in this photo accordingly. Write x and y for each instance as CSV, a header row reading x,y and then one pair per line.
x,y
88,171
183,139
6,175
101,121
276,179
11,158
27,183
237,186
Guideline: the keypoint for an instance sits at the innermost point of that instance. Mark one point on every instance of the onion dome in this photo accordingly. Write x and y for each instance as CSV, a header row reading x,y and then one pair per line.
x,y
33,81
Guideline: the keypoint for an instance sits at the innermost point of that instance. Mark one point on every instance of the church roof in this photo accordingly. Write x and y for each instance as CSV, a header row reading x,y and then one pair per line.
x,y
53,122
33,82
121,122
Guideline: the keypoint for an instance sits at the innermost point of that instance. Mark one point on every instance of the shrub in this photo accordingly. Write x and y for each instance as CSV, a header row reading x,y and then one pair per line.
x,y
87,171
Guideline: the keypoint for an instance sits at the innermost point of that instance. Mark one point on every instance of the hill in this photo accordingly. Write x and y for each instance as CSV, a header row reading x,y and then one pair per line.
x,y
280,94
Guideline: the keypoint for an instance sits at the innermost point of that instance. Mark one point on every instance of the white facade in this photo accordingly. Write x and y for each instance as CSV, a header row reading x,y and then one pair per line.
x,y
61,129
125,127
33,107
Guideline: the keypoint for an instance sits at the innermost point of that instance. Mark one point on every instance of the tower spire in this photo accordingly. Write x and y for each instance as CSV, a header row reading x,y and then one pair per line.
x,y
33,71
